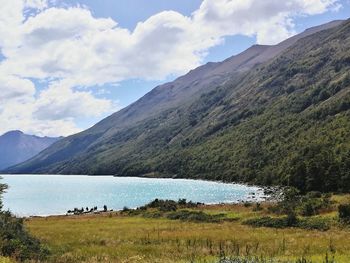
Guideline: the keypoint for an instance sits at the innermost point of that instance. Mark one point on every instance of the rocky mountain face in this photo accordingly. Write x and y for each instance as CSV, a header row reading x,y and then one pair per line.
x,y
17,147
270,115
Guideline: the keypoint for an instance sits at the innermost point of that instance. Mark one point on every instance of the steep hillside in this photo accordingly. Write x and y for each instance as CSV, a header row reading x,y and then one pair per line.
x,y
283,119
17,147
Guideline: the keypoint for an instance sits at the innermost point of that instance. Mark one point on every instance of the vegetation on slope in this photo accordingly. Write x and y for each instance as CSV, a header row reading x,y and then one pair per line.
x,y
289,124
285,122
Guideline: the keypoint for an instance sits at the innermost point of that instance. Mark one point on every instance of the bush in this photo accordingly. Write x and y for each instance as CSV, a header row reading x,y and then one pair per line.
x,y
316,223
16,242
169,205
314,194
267,222
289,201
308,209
247,204
126,209
195,216
257,207
314,202
163,205
292,219
284,222
152,214
293,203
344,212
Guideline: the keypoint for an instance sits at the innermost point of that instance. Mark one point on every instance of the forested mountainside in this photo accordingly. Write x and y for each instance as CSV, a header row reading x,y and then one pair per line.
x,y
17,147
284,120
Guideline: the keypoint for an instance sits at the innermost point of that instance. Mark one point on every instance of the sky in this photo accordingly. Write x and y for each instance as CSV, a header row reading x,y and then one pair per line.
x,y
66,64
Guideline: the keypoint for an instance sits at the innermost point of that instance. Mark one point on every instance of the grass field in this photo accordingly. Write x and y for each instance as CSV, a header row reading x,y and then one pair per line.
x,y
118,237
5,260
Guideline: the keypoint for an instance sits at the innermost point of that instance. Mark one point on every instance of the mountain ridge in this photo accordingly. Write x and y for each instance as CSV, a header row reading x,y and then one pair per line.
x,y
234,63
230,131
17,147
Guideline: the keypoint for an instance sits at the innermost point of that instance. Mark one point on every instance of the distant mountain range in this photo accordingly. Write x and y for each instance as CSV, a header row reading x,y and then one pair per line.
x,y
17,147
270,115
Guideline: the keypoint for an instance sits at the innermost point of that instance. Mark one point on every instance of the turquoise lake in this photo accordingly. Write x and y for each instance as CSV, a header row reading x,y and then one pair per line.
x,y
35,195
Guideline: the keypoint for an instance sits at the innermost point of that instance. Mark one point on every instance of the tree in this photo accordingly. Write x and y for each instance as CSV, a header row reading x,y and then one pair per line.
x,y
3,187
344,212
289,204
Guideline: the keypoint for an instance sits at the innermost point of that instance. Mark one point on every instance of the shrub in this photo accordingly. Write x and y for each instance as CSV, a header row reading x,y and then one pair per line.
x,y
126,209
15,241
316,223
284,222
308,209
267,222
152,214
292,203
247,204
195,216
344,212
169,205
289,201
314,194
182,202
163,205
257,207
292,218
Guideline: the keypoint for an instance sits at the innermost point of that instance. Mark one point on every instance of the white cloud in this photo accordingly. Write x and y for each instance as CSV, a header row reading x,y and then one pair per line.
x,y
15,116
269,20
53,112
60,101
69,48
14,89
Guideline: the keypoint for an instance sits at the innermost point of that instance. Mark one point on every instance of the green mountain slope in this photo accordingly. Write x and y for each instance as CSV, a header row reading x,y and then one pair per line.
x,y
280,121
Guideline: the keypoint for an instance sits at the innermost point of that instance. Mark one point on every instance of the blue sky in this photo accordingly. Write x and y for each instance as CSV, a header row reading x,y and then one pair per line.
x,y
64,65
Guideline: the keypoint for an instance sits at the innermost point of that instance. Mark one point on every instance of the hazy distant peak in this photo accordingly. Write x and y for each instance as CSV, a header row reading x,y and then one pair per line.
x,y
13,133
16,147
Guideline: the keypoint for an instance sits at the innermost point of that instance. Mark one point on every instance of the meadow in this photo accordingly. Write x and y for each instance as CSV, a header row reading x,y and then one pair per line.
x,y
152,235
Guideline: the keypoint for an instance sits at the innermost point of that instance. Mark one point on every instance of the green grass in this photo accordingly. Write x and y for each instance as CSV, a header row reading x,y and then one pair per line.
x,y
119,237
5,260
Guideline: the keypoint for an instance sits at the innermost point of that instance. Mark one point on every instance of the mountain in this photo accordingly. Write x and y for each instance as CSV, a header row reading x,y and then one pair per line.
x,y
270,115
17,147
198,81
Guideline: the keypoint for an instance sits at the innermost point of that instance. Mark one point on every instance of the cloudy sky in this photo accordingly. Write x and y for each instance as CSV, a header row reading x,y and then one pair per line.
x,y
66,64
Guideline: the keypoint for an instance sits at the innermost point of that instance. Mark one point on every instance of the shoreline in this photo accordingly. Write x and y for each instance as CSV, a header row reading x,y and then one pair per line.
x,y
257,193
115,211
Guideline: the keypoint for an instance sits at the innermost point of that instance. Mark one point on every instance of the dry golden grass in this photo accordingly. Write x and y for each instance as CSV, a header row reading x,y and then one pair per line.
x,y
118,238
5,260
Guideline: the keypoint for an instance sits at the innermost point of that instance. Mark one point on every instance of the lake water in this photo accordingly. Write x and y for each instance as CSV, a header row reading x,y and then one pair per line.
x,y
30,195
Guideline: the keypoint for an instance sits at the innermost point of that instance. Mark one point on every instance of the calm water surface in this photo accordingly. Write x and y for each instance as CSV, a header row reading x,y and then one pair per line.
x,y
30,195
